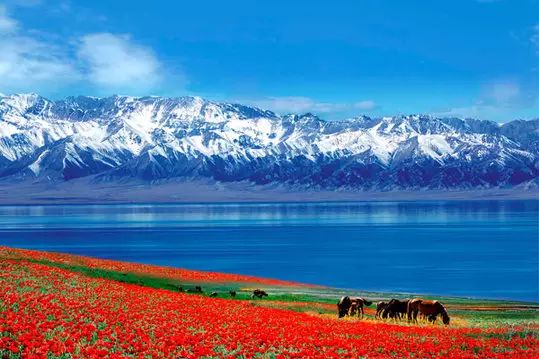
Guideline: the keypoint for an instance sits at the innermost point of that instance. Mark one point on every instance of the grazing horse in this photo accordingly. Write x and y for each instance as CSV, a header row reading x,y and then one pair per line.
x,y
429,308
395,308
232,293
259,293
351,306
380,306
213,294
357,306
343,306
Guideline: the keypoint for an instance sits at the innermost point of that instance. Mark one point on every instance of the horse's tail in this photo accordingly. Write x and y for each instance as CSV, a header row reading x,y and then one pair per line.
x,y
366,302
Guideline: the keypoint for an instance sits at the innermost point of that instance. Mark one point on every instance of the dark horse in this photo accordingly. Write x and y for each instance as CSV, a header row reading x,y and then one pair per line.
x,y
351,306
429,308
259,293
395,309
357,306
380,306
343,306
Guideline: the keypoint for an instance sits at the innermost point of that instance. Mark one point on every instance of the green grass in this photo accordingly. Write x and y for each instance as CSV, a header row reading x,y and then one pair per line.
x,y
138,279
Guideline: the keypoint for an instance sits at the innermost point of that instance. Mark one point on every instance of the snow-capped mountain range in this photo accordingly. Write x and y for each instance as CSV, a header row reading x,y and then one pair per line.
x,y
156,138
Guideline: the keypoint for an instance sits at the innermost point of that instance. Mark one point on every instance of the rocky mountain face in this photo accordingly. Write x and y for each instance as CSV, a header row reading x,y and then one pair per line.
x,y
155,138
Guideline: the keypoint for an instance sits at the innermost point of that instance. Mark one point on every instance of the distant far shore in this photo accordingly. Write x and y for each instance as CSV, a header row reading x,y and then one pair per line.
x,y
86,191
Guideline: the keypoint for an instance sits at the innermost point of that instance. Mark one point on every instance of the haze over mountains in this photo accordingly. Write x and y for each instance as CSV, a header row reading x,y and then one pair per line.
x,y
153,139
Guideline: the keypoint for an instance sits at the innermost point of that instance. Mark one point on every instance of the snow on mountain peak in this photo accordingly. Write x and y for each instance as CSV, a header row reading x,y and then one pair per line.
x,y
156,137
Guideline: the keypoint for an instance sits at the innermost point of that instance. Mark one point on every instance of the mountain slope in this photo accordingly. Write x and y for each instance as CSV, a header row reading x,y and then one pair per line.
x,y
155,138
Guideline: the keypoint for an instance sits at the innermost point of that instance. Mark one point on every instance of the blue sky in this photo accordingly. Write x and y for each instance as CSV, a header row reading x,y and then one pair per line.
x,y
473,58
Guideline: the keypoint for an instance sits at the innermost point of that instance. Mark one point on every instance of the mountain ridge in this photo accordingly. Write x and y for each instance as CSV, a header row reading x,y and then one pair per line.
x,y
158,138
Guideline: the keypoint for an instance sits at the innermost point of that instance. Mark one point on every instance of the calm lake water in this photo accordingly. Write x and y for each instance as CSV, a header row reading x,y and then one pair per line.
x,y
482,249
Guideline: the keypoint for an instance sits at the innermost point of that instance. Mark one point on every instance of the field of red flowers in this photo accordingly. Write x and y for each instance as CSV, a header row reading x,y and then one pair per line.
x,y
49,312
139,268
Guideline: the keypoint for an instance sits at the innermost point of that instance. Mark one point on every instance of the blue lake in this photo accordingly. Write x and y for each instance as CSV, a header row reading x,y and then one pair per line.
x,y
478,248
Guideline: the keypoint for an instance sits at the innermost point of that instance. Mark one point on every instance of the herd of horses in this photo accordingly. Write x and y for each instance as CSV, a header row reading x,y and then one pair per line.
x,y
395,309
352,306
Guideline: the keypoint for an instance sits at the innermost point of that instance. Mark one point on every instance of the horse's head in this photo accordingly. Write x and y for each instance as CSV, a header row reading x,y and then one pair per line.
x,y
342,311
343,306
445,318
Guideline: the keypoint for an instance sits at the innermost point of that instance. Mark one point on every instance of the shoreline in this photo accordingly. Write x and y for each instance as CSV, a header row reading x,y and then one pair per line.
x,y
299,287
84,191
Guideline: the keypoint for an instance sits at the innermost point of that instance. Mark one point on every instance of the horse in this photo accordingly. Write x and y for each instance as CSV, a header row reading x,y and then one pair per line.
x,y
213,294
232,293
395,308
343,306
259,293
351,306
380,306
429,308
357,306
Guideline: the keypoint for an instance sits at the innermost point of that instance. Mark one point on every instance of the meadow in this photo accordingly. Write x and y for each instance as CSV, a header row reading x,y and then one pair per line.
x,y
55,305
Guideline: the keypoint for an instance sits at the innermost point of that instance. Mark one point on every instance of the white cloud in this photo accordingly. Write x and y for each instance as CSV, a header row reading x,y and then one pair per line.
x,y
510,93
27,61
27,64
31,61
116,62
7,24
299,104
503,92
499,99
365,105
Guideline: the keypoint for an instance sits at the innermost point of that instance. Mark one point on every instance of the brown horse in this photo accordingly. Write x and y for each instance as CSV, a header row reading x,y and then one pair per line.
x,y
429,308
343,306
395,308
380,306
357,306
